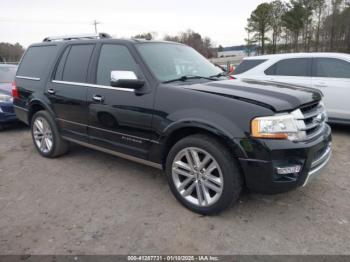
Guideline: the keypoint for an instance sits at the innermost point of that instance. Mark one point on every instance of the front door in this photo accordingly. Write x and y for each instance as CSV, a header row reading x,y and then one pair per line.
x,y
119,118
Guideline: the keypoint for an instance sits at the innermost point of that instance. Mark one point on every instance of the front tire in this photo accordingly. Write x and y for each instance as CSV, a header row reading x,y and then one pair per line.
x,y
203,174
46,137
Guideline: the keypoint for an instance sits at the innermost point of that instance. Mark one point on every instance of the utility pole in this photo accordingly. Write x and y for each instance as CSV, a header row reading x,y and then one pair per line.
x,y
95,23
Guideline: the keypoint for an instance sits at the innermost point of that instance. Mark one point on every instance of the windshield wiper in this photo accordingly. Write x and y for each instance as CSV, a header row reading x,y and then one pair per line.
x,y
189,77
219,75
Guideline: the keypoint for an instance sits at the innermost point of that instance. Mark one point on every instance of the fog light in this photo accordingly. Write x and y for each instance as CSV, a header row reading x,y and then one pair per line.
x,y
288,170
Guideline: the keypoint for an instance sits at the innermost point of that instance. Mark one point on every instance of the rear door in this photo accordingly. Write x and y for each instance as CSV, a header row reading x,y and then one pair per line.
x,y
120,119
68,88
292,71
332,77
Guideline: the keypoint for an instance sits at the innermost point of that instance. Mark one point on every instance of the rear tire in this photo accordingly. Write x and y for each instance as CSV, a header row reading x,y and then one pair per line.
x,y
46,137
203,174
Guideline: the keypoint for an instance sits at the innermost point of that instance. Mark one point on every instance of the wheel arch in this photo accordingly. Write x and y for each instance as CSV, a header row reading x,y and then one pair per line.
x,y
35,106
179,131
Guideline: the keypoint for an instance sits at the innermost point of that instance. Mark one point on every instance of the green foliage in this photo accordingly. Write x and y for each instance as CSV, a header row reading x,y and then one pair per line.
x,y
303,25
260,22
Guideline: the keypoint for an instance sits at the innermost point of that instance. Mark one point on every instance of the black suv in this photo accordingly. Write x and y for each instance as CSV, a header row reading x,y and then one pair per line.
x,y
164,105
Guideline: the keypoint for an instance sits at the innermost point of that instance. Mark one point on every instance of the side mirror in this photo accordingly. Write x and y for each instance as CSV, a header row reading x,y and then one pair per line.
x,y
126,79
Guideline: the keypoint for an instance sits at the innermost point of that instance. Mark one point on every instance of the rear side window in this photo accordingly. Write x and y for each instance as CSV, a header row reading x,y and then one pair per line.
x,y
37,60
331,67
113,57
247,65
291,67
77,63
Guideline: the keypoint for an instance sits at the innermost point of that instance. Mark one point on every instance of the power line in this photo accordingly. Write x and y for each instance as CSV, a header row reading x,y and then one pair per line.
x,y
95,23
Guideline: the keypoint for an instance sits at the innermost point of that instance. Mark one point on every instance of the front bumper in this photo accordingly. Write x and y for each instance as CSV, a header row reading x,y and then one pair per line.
x,y
7,113
266,156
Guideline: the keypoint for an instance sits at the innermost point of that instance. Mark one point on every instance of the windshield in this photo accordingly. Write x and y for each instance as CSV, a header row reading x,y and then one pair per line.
x,y
172,61
7,74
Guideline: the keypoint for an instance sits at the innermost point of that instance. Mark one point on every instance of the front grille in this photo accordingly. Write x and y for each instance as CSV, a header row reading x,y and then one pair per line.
x,y
311,120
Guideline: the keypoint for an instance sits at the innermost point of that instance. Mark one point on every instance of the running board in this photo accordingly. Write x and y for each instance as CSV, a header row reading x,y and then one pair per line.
x,y
111,152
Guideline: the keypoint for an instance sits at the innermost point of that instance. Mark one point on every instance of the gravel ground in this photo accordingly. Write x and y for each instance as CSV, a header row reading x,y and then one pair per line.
x,y
88,202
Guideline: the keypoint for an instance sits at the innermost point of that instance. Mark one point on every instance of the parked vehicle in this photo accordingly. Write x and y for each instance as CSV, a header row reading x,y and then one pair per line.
x,y
7,76
164,105
327,72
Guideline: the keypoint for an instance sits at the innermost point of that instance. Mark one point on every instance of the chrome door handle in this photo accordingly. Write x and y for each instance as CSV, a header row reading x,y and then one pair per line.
x,y
51,91
97,98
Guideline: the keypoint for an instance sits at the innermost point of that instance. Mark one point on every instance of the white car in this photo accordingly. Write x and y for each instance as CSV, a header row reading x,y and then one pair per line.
x,y
328,72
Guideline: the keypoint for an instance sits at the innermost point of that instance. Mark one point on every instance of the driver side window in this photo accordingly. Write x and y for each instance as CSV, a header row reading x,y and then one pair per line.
x,y
113,58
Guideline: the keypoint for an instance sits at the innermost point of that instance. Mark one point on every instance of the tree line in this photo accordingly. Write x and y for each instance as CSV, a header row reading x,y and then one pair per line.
x,y
300,26
203,45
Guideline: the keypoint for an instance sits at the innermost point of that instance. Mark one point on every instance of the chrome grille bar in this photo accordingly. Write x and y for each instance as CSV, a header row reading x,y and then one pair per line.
x,y
311,120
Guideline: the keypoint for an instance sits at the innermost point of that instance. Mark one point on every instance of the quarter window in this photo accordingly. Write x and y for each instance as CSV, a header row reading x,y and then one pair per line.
x,y
113,58
37,60
331,67
291,67
77,63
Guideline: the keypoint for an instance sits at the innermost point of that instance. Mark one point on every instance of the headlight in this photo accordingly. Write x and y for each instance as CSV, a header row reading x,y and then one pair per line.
x,y
277,127
6,98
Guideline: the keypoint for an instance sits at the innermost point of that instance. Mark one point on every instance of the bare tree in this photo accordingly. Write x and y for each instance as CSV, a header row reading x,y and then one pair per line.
x,y
195,40
278,9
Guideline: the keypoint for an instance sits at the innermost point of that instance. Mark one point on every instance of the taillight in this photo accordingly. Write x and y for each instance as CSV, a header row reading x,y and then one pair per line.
x,y
15,93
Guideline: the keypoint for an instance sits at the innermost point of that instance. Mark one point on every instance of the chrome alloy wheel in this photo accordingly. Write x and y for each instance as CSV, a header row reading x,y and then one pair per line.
x,y
42,135
197,176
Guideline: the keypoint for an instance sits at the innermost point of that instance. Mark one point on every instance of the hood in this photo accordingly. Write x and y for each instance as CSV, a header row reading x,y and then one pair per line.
x,y
273,95
6,88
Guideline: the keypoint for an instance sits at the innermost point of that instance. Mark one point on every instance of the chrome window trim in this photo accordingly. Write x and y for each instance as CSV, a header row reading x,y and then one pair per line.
x,y
29,78
108,151
93,85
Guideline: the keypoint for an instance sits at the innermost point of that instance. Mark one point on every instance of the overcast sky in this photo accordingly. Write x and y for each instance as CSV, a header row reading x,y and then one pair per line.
x,y
28,21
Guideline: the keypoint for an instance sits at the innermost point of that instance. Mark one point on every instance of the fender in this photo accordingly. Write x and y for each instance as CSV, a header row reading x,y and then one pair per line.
x,y
213,123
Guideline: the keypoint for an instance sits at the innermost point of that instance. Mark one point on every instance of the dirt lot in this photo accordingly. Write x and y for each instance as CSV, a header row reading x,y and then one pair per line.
x,y
91,203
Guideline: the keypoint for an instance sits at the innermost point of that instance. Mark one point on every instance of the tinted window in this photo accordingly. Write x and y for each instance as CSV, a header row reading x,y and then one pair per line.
x,y
291,67
331,67
37,60
60,67
247,65
7,73
77,63
113,58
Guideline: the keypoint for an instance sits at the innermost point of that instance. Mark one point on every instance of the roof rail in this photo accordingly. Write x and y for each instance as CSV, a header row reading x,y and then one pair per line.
x,y
76,37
